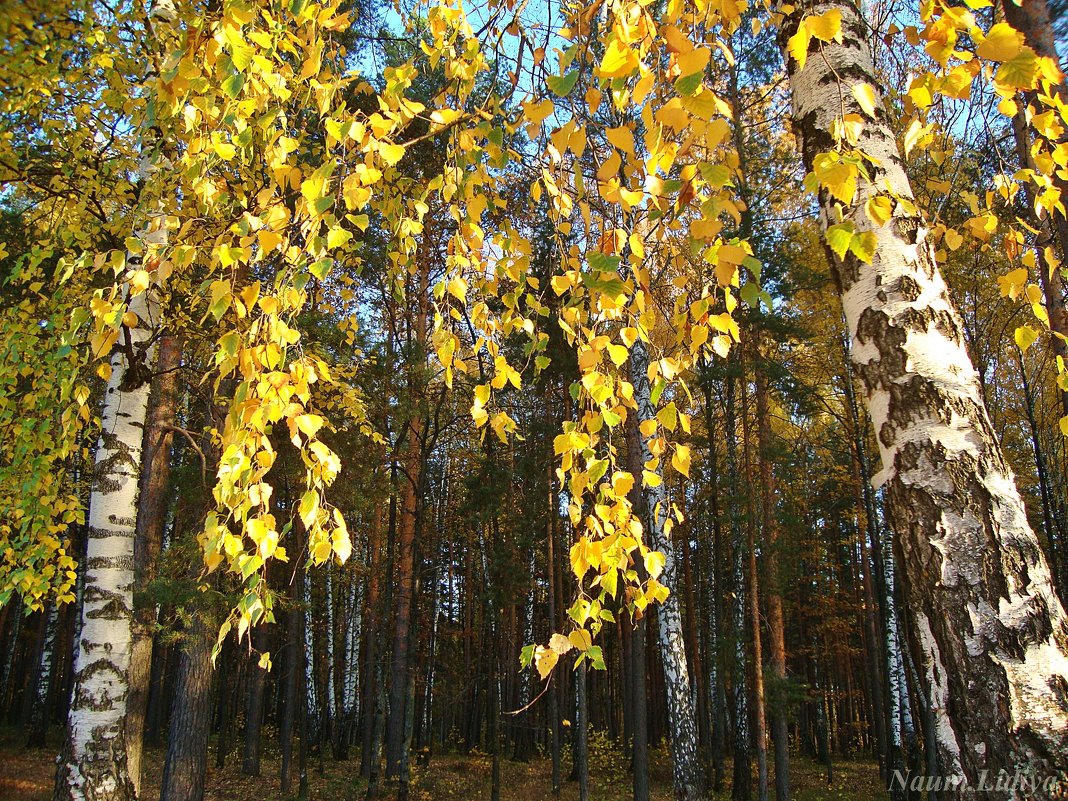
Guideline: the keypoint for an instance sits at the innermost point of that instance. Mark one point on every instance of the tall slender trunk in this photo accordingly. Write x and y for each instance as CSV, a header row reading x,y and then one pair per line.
x,y
741,786
254,700
372,670
151,519
554,692
186,764
756,637
991,631
289,714
313,709
717,695
330,701
1032,19
638,702
687,774
1050,521
93,764
40,706
582,715
351,668
772,591
412,480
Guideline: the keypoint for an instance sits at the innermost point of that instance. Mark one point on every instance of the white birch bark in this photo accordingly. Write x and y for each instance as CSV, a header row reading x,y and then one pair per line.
x,y
9,657
93,765
992,633
38,725
686,769
311,694
353,632
331,696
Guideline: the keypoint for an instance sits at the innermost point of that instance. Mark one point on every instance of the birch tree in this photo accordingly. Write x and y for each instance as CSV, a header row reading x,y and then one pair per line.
x,y
93,764
991,632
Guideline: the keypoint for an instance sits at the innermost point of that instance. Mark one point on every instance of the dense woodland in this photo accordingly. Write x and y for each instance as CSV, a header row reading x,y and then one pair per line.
x,y
415,417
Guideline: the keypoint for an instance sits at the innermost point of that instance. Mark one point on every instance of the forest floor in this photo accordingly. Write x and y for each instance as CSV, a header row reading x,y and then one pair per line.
x,y
27,775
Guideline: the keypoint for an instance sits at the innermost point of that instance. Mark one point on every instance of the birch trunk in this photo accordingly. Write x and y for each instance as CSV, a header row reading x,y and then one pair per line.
x,y
311,698
40,709
687,772
93,765
741,785
991,631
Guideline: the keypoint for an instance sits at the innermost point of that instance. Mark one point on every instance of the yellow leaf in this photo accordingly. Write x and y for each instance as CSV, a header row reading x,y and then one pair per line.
x,y
879,209
693,62
1064,425
104,371
622,483
622,137
223,149
139,281
797,45
1025,336
559,644
309,423
915,135
268,239
619,61
340,541
677,41
581,639
680,460
390,153
618,354
1002,43
826,26
654,563
545,660
865,97
1008,107
321,551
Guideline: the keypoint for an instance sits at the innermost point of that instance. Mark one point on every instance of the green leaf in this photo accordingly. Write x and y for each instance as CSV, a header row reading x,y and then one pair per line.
x,y
563,84
839,238
688,85
603,262
863,246
232,84
596,657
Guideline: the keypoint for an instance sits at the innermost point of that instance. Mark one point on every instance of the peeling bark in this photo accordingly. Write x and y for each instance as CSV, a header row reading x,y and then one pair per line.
x,y
991,632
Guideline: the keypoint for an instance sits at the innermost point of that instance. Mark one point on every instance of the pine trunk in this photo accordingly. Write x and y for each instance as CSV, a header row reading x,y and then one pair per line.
x,y
773,592
186,764
151,516
991,631
412,480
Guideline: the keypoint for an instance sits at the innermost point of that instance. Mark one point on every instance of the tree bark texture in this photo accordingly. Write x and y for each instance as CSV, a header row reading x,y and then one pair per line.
x,y
687,772
990,629
151,516
186,764
93,766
